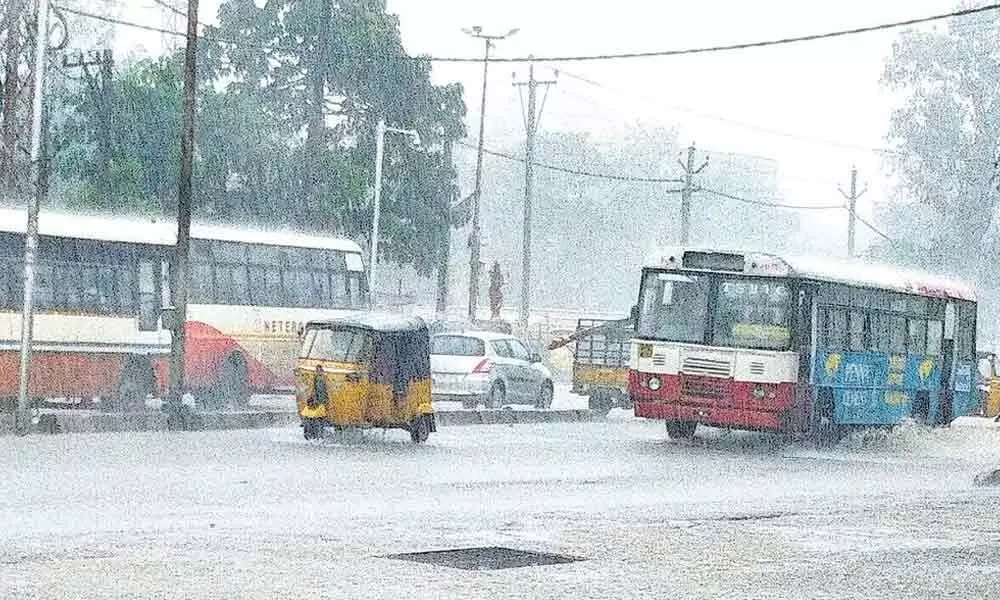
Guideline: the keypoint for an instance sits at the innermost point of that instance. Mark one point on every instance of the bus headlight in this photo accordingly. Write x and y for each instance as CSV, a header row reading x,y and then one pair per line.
x,y
654,383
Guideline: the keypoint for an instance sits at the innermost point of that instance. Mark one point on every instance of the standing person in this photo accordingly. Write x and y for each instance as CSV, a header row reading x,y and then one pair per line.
x,y
496,291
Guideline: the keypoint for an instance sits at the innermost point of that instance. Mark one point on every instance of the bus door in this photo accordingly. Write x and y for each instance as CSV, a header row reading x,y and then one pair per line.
x,y
946,396
804,336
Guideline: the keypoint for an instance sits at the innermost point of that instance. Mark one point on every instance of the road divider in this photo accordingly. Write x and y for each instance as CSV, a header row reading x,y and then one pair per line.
x,y
88,421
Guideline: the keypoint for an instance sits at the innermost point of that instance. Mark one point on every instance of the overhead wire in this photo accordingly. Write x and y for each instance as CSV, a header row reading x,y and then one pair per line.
x,y
569,170
766,203
721,119
602,57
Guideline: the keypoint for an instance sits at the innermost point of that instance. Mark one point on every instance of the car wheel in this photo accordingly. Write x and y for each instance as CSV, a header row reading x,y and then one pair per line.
x,y
497,396
545,394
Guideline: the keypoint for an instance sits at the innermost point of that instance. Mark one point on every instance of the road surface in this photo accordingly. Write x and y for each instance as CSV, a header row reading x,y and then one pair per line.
x,y
264,514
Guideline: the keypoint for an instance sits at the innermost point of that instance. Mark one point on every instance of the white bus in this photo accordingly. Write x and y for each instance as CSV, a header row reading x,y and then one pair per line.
x,y
103,281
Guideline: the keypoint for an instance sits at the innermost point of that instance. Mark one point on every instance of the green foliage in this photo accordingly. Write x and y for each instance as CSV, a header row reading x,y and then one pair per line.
x,y
945,134
257,158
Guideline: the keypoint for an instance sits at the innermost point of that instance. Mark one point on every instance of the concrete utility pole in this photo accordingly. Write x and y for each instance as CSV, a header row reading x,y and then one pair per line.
x,y
688,189
380,130
852,216
180,280
531,118
23,416
475,241
444,259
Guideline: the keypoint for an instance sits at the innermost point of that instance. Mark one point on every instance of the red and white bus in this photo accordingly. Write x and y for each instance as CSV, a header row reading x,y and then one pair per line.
x,y
102,283
754,341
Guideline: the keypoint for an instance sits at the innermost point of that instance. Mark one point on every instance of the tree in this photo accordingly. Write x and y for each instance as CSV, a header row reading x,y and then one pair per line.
x,y
944,136
15,91
331,71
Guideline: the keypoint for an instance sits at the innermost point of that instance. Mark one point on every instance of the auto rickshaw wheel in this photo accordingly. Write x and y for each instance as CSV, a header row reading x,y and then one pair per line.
x,y
420,429
312,429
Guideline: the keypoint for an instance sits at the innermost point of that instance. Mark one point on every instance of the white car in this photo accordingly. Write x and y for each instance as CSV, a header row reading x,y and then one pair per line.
x,y
493,369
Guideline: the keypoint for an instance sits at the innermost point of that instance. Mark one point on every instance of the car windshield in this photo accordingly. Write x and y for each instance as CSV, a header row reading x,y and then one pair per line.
x,y
457,345
743,312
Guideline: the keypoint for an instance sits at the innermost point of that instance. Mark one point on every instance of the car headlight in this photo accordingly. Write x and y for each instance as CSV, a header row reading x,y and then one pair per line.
x,y
654,383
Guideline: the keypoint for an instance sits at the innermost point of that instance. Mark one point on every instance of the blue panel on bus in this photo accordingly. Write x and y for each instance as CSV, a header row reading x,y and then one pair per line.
x,y
871,388
966,399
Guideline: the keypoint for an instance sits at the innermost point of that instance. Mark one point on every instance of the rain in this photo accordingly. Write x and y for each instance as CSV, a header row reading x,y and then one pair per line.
x,y
375,298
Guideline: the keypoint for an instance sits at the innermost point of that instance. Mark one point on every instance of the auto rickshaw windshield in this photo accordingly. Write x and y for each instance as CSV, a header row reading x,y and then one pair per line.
x,y
338,345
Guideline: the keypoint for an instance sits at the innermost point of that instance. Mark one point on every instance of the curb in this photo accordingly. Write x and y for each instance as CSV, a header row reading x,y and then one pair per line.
x,y
85,421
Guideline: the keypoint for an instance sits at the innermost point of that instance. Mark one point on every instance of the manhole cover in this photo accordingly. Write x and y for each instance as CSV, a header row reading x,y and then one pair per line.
x,y
485,559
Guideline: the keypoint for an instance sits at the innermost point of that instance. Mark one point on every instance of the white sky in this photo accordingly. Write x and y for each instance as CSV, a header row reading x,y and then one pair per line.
x,y
826,93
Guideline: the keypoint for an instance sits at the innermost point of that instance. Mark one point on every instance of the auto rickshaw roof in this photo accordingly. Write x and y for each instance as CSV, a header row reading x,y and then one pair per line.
x,y
372,321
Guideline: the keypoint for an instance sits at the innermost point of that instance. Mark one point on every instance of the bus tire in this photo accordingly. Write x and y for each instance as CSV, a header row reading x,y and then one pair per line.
x,y
233,386
135,384
826,431
681,430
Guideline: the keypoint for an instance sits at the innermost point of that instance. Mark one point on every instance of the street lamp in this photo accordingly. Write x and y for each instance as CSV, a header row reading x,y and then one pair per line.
x,y
380,130
489,42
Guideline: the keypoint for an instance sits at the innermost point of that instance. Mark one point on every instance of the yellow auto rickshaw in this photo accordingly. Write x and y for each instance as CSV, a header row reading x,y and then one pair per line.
x,y
369,370
989,384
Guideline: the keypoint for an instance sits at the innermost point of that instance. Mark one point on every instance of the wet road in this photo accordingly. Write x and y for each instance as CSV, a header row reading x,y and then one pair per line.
x,y
261,514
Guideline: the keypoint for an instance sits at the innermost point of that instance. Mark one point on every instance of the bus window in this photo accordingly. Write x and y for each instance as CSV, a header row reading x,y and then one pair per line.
x,y
878,332
149,305
897,335
752,314
916,339
934,330
674,307
856,331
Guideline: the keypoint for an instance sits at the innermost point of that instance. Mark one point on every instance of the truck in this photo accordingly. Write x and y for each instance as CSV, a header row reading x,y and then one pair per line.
x,y
600,362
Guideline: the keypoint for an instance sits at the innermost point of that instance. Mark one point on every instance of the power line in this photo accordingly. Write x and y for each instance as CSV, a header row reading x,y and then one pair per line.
x,y
599,57
172,8
876,230
727,120
572,171
768,204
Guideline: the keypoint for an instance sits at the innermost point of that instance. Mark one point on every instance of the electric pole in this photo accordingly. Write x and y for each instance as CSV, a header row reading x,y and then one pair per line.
x,y
852,201
181,251
688,189
475,241
34,202
445,250
531,119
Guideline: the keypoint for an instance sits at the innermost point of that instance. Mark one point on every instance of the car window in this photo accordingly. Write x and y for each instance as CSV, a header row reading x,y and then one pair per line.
x,y
457,345
501,348
518,350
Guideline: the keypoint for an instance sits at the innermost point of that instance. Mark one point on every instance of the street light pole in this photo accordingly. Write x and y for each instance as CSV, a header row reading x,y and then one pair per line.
x,y
380,130
31,232
477,32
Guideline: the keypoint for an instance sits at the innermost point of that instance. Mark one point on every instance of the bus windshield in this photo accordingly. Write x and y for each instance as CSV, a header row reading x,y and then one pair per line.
x,y
745,313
